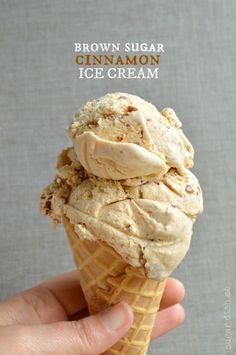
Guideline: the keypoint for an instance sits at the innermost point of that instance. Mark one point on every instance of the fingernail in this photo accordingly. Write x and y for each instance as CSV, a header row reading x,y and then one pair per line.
x,y
181,285
114,317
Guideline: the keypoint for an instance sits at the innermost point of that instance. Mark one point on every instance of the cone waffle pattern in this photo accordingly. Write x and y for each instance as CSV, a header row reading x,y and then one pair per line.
x,y
107,279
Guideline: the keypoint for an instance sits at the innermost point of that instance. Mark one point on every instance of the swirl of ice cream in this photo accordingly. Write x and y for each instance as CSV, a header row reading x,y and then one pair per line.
x,y
121,136
116,161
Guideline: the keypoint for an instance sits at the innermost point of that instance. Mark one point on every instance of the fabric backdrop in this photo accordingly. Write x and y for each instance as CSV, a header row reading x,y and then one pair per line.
x,y
40,91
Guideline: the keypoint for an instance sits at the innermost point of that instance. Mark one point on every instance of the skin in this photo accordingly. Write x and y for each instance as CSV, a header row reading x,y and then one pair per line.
x,y
35,321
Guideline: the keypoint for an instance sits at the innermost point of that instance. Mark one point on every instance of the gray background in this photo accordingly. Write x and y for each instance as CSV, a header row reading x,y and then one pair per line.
x,y
39,92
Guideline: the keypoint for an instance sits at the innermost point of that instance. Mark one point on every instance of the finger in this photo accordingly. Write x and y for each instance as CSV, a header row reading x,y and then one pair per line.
x,y
168,319
67,290
51,301
174,293
90,336
34,306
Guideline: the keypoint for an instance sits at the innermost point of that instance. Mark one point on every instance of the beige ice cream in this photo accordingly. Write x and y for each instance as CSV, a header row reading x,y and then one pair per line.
x,y
126,182
122,136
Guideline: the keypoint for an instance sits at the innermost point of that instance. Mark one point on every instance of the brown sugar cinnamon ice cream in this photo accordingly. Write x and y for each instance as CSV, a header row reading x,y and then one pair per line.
x,y
126,182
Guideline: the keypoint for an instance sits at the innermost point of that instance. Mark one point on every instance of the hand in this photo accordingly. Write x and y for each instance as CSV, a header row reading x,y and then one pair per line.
x,y
36,321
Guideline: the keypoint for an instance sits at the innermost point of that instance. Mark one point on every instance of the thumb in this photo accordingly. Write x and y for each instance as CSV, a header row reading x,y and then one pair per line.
x,y
89,336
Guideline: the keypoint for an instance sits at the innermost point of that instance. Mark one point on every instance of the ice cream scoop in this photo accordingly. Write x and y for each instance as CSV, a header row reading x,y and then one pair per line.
x,y
122,136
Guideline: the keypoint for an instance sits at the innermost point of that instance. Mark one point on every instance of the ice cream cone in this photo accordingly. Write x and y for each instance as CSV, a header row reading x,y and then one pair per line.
x,y
107,279
128,201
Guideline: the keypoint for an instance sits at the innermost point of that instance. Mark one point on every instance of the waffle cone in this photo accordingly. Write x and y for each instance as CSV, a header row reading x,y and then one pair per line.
x,y
107,279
